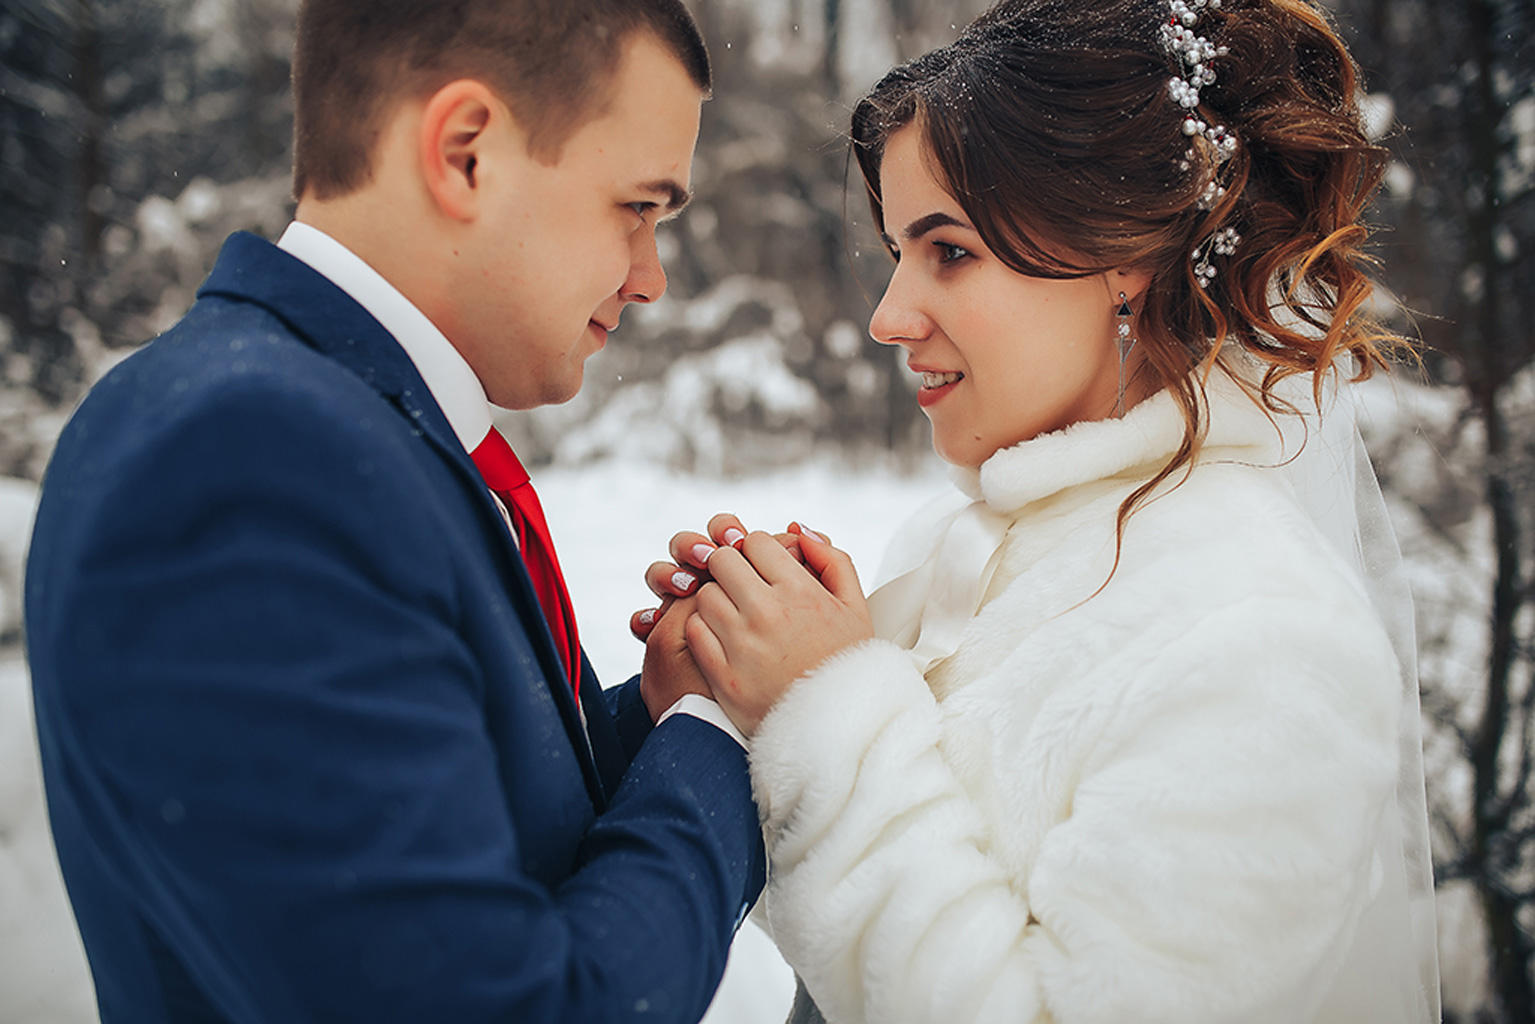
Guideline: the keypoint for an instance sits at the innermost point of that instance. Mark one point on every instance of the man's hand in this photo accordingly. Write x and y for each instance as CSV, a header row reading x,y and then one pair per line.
x,y
669,670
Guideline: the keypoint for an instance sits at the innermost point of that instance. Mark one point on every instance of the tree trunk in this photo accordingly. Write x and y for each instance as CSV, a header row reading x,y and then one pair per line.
x,y
92,168
830,66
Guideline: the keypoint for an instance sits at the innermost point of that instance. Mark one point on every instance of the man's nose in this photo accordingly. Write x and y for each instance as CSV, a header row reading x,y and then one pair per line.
x,y
647,280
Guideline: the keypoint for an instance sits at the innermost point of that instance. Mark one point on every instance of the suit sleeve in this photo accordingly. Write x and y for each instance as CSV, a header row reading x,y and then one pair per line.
x,y
1215,847
278,738
630,717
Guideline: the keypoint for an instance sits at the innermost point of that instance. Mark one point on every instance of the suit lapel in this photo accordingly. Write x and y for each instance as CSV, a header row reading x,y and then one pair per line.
x,y
329,320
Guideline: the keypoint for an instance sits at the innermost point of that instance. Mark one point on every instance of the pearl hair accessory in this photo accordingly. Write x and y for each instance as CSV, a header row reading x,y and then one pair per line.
x,y
1224,243
1193,52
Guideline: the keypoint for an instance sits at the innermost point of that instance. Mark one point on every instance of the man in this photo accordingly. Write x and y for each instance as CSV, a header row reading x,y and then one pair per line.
x,y
313,751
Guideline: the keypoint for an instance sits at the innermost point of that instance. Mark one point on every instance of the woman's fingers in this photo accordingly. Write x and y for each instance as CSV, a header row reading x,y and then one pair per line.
x,y
642,622
667,579
691,550
800,530
727,530
707,652
772,560
790,542
692,554
832,565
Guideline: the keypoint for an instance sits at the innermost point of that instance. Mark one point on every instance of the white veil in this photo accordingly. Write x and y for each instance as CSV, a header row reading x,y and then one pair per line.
x,y
1391,973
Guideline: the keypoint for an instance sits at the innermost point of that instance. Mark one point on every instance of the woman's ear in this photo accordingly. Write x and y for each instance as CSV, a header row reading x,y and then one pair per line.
x,y
454,128
1130,281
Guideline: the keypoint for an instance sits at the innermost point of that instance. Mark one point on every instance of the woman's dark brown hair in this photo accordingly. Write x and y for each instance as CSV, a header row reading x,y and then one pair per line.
x,y
1049,121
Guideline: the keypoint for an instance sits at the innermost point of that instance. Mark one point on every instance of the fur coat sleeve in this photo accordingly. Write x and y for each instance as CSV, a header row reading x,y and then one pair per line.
x,y
1159,806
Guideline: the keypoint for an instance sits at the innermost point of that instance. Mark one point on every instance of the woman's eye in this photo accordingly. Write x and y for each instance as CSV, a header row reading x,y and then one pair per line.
x,y
950,253
641,208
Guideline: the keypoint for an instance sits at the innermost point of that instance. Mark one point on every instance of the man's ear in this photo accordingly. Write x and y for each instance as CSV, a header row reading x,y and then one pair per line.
x,y
454,128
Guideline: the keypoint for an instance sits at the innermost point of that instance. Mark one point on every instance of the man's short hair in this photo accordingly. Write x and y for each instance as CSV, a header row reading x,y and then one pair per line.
x,y
549,60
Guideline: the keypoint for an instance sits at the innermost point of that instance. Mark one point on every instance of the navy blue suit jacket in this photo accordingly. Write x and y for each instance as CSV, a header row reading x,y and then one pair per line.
x,y
309,751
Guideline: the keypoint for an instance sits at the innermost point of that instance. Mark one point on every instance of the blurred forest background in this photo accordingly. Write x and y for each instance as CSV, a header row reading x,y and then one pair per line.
x,y
136,134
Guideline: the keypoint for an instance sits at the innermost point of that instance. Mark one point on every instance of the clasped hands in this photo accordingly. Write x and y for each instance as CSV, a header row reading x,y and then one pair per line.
x,y
745,614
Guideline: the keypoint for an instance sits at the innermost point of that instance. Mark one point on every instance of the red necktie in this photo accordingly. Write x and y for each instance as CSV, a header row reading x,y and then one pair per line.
x,y
504,475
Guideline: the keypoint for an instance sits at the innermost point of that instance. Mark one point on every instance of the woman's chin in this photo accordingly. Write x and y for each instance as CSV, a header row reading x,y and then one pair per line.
x,y
964,456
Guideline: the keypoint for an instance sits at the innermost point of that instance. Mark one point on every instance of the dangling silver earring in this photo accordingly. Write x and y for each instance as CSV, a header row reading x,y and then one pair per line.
x,y
1125,344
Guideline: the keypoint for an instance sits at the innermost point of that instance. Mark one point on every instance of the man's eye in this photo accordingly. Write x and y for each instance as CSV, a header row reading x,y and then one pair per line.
x,y
950,253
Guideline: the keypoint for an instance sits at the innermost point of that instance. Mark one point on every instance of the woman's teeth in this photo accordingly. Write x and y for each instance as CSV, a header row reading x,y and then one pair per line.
x,y
938,380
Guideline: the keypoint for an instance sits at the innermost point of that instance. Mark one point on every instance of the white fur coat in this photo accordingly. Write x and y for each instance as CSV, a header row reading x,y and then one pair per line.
x,y
1156,804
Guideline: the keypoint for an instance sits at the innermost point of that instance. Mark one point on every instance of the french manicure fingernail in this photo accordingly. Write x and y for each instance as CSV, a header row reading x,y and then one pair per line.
x,y
734,536
701,553
808,532
683,580
647,616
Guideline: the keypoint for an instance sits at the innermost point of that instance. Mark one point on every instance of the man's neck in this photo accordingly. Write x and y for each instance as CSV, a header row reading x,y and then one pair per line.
x,y
450,379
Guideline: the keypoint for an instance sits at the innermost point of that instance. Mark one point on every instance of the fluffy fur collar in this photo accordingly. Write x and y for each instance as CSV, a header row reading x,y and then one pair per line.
x,y
1139,442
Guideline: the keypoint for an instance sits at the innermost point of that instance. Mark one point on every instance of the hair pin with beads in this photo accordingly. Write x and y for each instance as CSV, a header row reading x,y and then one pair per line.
x,y
1193,53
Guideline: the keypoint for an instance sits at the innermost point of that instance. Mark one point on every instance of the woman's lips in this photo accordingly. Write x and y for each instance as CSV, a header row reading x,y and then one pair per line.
x,y
935,385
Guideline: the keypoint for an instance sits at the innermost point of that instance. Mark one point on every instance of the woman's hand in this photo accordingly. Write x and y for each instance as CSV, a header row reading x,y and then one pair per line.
x,y
689,568
765,619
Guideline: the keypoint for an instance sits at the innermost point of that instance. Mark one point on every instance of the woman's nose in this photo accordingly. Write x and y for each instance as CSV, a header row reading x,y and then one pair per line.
x,y
897,320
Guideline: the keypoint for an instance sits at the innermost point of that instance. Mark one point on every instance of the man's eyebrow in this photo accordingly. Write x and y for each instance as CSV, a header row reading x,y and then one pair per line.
x,y
676,196
922,225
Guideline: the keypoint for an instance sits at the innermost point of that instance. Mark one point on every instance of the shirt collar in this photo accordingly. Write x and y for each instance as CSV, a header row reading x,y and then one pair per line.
x,y
453,384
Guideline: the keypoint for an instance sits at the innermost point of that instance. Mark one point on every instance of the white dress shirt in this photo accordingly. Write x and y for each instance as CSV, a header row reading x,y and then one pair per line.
x,y
453,384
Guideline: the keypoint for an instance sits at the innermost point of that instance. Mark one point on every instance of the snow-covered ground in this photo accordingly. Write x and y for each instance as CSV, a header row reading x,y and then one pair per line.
x,y
610,521
43,978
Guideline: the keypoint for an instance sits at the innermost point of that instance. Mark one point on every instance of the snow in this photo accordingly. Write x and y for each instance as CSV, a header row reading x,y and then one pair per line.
x,y
610,521
43,977
18,505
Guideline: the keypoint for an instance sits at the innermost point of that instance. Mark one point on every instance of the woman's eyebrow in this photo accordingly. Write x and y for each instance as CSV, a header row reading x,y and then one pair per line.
x,y
922,225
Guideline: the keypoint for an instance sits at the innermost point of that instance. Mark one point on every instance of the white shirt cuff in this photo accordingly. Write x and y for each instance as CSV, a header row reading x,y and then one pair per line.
x,y
699,706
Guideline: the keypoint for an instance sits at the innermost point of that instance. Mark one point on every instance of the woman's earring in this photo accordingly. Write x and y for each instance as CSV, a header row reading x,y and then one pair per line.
x,y
1125,343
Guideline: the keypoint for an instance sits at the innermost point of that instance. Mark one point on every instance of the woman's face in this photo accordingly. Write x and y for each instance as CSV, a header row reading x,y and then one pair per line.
x,y
1003,357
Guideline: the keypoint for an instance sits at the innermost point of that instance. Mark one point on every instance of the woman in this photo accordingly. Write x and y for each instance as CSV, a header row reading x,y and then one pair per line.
x,y
1131,733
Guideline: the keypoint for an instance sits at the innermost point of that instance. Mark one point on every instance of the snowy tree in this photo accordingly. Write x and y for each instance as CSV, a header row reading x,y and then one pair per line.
x,y
1460,80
